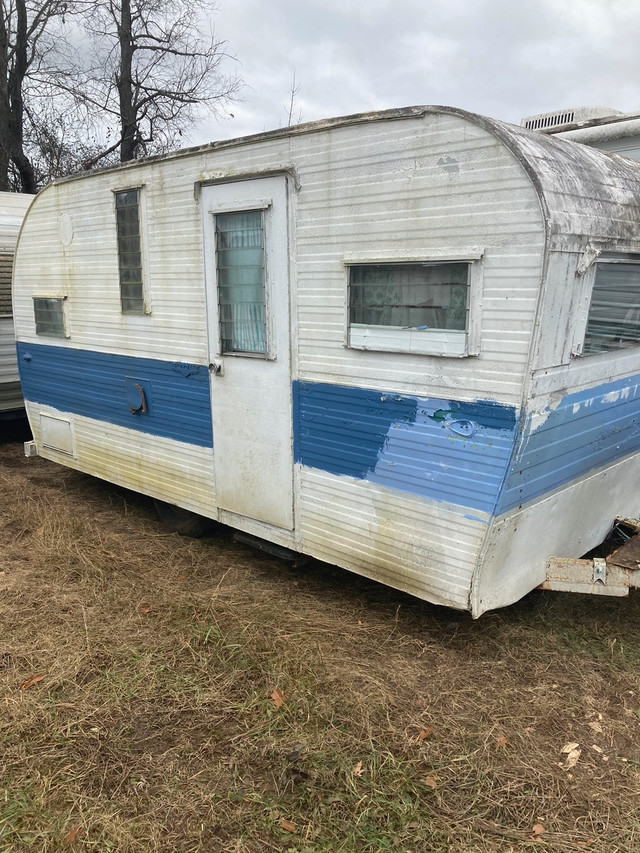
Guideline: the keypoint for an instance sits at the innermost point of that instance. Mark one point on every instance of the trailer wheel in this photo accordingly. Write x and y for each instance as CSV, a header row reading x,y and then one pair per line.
x,y
183,521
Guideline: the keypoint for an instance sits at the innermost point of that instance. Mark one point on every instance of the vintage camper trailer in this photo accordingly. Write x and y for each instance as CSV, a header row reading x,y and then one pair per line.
x,y
13,206
406,343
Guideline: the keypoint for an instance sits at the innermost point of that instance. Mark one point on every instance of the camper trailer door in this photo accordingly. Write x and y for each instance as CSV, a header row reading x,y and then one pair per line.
x,y
247,274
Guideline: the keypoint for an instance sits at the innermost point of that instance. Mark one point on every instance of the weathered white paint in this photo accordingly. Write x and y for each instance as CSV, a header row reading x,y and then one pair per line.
x,y
569,522
13,206
390,537
251,396
163,469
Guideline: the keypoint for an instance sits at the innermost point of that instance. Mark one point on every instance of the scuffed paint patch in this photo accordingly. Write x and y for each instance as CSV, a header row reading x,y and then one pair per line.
x,y
587,431
449,451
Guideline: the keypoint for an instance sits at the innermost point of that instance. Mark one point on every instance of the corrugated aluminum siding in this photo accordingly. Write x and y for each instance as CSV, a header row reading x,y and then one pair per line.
x,y
12,209
425,548
156,466
414,188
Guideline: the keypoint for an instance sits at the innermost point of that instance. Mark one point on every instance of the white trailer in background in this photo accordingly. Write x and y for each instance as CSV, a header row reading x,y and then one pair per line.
x,y
406,343
13,207
598,127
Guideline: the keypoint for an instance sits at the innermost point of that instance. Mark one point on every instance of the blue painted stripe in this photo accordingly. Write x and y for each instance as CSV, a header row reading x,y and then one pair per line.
x,y
587,431
456,452
441,449
101,386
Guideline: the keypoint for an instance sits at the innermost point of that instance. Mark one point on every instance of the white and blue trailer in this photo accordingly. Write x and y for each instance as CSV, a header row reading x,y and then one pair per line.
x,y
13,206
406,343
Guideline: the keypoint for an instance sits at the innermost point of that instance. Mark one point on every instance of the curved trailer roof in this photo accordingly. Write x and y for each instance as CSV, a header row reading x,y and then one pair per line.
x,y
582,191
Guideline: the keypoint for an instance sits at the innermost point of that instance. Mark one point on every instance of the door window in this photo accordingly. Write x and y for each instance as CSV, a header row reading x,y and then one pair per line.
x,y
241,282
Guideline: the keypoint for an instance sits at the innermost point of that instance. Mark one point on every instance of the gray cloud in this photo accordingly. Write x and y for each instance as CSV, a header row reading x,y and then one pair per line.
x,y
499,58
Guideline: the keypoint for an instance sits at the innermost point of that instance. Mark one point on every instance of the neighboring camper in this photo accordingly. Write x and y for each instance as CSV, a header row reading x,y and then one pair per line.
x,y
13,206
599,127
406,343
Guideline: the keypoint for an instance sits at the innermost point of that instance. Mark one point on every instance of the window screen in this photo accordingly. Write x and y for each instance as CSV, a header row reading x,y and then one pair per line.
x,y
49,317
409,296
241,281
6,266
614,312
129,252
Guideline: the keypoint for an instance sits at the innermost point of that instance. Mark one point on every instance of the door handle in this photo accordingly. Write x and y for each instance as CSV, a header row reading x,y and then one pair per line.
x,y
216,368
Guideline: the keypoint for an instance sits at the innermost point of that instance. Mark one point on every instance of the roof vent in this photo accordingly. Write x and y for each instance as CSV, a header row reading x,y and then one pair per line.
x,y
575,115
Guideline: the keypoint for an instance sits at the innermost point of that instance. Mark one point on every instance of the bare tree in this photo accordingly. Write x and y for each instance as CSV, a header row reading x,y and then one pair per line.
x,y
293,92
84,82
155,73
25,27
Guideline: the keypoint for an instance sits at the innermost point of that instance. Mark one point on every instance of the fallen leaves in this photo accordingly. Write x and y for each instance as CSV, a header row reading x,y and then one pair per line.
x,y
357,770
145,609
573,753
538,829
74,832
501,742
35,679
422,735
285,824
431,782
277,697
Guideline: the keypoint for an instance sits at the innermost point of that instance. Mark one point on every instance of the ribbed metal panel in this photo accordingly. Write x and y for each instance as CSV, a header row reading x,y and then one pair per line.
x,y
416,185
12,210
171,471
10,394
86,270
6,265
13,207
97,385
587,431
409,543
440,185
451,452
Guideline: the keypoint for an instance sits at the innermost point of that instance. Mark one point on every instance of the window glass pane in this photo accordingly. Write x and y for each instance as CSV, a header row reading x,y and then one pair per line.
x,y
240,264
129,198
48,316
614,313
6,266
129,252
409,296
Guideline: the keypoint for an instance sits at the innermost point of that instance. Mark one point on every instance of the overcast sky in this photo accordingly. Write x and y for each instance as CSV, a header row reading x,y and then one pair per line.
x,y
502,58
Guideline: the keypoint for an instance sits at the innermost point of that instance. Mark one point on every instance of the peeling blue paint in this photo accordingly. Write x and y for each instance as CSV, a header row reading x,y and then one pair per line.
x,y
587,431
404,442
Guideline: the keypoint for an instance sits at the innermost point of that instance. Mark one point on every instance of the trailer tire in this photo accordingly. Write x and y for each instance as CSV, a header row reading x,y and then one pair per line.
x,y
183,521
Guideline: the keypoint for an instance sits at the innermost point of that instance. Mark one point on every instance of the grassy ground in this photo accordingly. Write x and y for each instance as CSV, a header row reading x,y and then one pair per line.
x,y
162,694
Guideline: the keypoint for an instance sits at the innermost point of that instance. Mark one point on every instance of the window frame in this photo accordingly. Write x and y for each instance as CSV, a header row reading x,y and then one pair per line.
x,y
584,300
142,235
55,297
262,205
441,343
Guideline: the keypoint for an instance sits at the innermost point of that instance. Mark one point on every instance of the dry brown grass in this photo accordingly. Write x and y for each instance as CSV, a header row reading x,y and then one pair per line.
x,y
404,727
